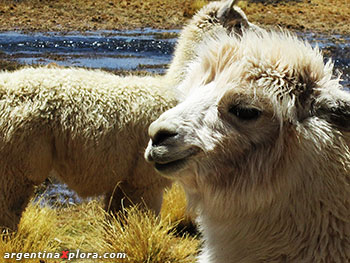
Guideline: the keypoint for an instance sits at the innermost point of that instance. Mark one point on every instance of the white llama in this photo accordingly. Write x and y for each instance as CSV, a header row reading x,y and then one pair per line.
x,y
260,146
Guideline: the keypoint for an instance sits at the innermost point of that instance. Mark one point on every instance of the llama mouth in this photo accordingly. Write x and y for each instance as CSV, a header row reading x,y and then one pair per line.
x,y
171,165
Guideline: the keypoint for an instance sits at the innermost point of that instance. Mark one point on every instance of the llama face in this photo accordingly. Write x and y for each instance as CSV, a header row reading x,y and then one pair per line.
x,y
211,128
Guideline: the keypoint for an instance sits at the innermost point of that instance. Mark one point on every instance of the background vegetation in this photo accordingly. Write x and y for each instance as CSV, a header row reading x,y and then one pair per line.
x,y
330,16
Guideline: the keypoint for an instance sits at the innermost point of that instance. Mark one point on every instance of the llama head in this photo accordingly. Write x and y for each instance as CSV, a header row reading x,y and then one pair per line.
x,y
233,18
225,14
254,105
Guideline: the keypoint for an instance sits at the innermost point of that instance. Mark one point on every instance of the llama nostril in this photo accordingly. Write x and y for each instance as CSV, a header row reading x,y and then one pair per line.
x,y
161,136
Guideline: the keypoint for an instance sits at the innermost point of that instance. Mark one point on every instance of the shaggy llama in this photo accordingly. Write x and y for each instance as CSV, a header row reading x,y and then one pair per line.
x,y
90,127
211,19
260,146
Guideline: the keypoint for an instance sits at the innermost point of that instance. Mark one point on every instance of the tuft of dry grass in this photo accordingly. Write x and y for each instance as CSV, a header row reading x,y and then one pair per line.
x,y
87,227
174,206
38,231
145,238
84,226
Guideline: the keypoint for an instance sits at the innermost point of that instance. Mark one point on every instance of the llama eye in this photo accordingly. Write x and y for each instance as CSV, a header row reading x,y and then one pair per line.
x,y
245,113
238,27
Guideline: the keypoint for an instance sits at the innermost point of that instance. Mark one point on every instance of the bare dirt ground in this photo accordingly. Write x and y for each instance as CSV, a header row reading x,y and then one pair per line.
x,y
326,16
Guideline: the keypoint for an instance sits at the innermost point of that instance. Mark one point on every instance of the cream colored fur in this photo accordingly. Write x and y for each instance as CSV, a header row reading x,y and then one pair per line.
x,y
211,19
259,144
90,127
87,126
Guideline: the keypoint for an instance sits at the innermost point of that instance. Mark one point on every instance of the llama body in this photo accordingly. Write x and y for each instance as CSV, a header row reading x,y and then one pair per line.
x,y
260,146
87,126
90,127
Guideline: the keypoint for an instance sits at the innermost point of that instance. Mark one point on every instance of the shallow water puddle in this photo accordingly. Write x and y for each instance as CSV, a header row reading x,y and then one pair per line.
x,y
132,50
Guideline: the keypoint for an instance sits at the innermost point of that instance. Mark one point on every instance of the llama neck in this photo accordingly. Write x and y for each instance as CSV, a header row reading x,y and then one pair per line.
x,y
306,225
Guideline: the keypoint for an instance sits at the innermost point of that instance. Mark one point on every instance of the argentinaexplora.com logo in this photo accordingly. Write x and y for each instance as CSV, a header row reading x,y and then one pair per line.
x,y
65,254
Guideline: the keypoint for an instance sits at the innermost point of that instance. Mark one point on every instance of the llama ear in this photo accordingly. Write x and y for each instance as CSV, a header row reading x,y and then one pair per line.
x,y
232,17
335,108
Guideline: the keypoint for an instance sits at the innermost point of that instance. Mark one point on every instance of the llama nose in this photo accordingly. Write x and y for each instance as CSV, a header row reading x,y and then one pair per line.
x,y
162,136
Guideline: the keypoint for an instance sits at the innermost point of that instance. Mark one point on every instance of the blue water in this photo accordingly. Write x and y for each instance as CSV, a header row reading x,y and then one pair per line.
x,y
103,49
338,46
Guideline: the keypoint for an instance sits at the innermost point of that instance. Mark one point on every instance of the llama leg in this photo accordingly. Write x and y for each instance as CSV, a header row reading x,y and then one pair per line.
x,y
15,194
19,171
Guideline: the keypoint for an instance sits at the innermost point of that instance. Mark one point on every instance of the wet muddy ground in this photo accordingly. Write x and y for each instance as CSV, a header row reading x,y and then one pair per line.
x,y
134,50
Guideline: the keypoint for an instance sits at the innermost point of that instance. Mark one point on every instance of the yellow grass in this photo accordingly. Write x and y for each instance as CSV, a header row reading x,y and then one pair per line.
x,y
328,16
87,227
145,238
191,9
38,231
61,15
174,205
